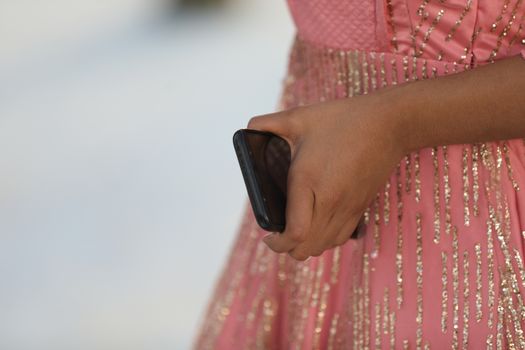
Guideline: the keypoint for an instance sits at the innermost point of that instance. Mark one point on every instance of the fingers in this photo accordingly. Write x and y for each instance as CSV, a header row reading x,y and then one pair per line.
x,y
299,210
318,237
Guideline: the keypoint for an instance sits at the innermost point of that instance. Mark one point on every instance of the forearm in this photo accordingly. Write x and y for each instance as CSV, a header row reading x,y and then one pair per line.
x,y
484,104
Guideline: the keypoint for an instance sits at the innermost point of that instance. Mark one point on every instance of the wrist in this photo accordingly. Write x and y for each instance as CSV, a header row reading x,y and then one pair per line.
x,y
400,118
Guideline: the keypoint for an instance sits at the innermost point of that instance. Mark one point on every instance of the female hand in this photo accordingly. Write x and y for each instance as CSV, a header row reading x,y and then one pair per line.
x,y
343,152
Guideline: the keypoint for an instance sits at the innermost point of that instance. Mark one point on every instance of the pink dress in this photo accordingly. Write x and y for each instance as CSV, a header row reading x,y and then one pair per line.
x,y
441,264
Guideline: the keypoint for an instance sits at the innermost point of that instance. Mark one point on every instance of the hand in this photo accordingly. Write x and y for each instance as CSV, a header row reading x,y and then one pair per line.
x,y
342,153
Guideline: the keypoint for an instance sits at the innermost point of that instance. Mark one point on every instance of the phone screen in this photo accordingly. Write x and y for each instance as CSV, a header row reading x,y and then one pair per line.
x,y
269,157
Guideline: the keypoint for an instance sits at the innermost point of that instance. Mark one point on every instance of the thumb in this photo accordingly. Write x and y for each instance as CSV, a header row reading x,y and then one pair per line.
x,y
278,123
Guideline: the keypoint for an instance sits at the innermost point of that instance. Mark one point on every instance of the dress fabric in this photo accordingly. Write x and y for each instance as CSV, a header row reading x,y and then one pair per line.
x,y
441,263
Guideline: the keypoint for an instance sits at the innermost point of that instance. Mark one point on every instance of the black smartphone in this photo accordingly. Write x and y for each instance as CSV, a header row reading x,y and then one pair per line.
x,y
264,158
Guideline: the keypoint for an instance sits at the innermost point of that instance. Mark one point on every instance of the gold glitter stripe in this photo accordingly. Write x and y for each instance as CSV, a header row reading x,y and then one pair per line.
x,y
466,187
466,294
510,173
424,69
377,236
357,73
426,37
455,288
394,72
444,292
333,331
390,21
459,21
317,285
491,295
399,246
437,219
408,172
386,203
509,274
423,14
489,342
377,325
336,261
364,65
386,311
373,71
475,180
419,282
382,69
505,31
366,292
519,261
392,330
320,316
447,190
518,33
503,10
417,178
479,300
351,71
405,68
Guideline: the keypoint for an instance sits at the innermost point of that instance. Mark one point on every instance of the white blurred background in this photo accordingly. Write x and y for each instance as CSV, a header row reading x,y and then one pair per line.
x,y
120,194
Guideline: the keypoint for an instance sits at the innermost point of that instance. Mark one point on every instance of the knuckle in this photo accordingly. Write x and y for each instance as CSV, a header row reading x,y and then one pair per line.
x,y
297,234
340,241
252,123
299,255
318,252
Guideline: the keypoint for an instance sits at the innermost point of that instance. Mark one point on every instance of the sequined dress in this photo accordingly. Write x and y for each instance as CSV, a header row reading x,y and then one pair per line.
x,y
441,263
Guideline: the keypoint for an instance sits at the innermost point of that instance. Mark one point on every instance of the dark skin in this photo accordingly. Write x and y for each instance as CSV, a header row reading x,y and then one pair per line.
x,y
364,138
